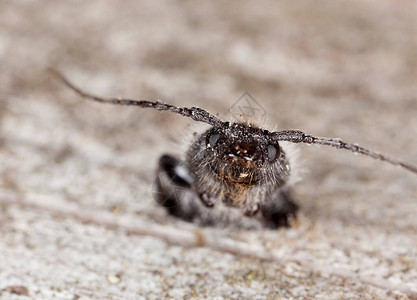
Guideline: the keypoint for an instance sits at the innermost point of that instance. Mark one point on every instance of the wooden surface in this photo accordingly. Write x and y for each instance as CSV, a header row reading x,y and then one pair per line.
x,y
77,218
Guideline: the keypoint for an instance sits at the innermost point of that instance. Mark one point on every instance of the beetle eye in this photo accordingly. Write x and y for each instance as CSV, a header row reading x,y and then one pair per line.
x,y
273,153
213,139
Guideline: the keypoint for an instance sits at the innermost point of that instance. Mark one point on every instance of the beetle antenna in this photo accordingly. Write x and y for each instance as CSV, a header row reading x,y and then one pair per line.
x,y
296,136
195,113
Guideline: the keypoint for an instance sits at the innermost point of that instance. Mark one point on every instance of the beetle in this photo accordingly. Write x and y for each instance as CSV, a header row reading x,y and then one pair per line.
x,y
234,173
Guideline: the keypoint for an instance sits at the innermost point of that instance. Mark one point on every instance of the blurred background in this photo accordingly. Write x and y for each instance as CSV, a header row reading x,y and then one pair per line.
x,y
343,69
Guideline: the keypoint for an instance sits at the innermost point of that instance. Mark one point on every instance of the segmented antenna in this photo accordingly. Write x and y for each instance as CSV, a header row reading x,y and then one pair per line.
x,y
201,115
296,136
195,113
